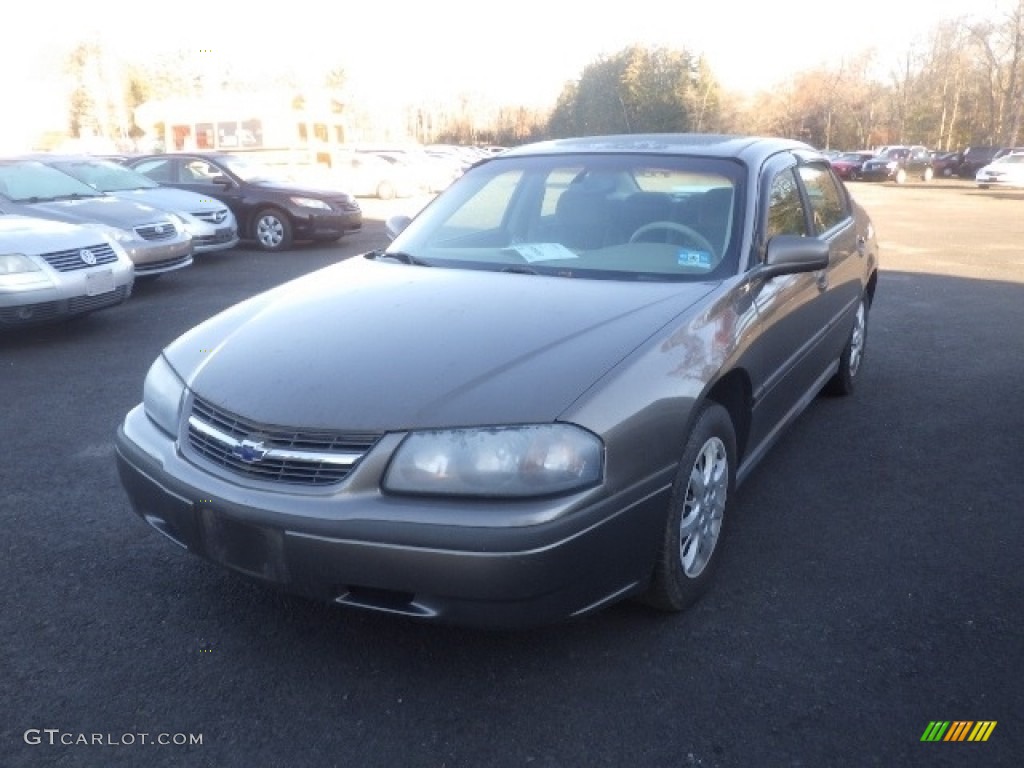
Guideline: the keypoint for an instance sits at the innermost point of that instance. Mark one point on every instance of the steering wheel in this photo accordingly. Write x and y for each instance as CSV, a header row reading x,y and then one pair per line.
x,y
693,236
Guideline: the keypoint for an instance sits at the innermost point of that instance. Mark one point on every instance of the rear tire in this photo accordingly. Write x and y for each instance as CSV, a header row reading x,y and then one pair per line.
x,y
901,176
697,513
928,174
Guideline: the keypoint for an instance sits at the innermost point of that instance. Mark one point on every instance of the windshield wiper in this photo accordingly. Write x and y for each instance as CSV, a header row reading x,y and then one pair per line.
x,y
73,196
405,258
520,269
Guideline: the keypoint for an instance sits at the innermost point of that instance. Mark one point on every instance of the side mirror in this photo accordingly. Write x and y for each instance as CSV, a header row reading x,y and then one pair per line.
x,y
221,180
792,254
396,224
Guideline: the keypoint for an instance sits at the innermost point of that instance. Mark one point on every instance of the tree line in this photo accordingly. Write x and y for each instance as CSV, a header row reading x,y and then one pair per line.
x,y
962,85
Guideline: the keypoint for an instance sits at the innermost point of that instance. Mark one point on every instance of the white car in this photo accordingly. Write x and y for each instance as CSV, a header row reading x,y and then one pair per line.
x,y
51,270
1005,171
208,220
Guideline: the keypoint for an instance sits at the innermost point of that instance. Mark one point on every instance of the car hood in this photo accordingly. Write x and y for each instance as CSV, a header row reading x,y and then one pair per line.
x,y
107,209
378,346
34,235
170,199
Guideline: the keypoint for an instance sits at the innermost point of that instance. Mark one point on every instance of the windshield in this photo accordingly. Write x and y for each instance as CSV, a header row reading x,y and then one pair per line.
x,y
249,170
105,176
625,217
27,181
1011,159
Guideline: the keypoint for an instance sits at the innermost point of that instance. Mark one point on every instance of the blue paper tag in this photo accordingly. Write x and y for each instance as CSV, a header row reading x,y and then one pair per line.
x,y
698,259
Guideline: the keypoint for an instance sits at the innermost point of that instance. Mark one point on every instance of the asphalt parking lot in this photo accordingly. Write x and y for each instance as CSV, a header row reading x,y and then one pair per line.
x,y
871,584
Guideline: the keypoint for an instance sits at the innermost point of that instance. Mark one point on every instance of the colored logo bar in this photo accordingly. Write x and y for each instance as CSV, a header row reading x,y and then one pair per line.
x,y
958,730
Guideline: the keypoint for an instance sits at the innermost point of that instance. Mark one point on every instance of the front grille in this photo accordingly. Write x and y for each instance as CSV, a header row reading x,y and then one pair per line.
x,y
81,304
223,236
74,259
161,230
274,453
148,267
349,206
213,217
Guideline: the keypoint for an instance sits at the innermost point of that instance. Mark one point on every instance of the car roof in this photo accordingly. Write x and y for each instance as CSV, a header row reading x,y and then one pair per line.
x,y
749,148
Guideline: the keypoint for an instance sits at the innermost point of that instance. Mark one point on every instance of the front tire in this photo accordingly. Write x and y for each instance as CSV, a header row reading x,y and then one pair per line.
x,y
901,176
850,361
272,230
928,174
697,513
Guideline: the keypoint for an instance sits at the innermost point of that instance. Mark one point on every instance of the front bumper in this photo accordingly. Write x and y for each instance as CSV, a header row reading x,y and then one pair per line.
x,y
65,294
353,545
155,258
877,174
317,225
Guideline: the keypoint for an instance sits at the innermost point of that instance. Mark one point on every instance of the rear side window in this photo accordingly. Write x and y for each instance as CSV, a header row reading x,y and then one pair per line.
x,y
828,203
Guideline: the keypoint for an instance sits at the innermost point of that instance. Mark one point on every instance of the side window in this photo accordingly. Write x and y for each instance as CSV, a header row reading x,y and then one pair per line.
x,y
785,208
198,171
828,204
156,169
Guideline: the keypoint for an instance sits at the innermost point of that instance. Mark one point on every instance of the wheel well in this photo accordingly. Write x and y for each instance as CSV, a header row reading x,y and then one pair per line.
x,y
872,282
733,393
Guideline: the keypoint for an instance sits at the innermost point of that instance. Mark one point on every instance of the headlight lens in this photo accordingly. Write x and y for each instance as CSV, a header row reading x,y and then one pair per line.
x,y
162,395
309,202
513,462
16,263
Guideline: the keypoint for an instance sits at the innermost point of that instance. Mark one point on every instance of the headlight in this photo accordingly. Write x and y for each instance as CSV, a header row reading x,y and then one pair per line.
x,y
162,395
514,462
186,222
16,263
309,202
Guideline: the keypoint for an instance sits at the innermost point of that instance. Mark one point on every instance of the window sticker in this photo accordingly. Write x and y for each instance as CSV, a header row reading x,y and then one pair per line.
x,y
532,252
697,259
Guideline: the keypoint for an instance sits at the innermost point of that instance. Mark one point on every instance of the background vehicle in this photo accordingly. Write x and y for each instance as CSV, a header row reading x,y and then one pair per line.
x,y
946,163
271,208
974,158
1005,171
50,270
899,164
155,241
365,174
848,165
537,401
210,222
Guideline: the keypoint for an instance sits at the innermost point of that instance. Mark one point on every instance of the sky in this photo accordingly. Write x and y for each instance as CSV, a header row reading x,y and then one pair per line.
x,y
515,52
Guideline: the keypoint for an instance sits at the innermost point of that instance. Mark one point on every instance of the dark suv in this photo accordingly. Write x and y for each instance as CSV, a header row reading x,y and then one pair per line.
x,y
976,158
899,164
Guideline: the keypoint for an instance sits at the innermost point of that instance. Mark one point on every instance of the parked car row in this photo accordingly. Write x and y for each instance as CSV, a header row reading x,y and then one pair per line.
x,y
989,166
78,230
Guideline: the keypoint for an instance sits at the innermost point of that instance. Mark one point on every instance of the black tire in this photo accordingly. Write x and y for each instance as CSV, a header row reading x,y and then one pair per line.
x,y
928,174
385,191
901,176
271,230
851,360
710,452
